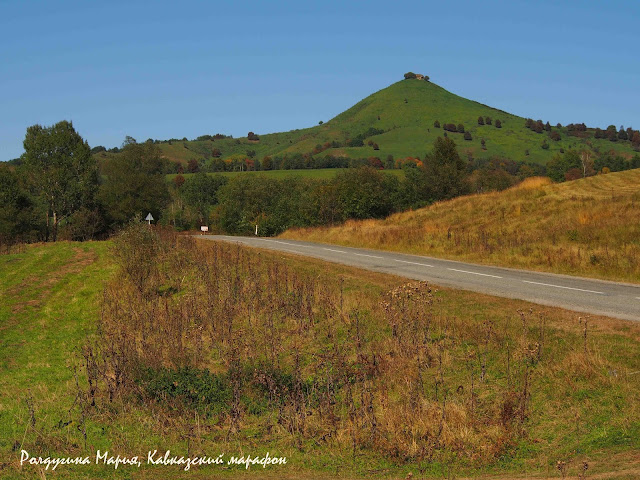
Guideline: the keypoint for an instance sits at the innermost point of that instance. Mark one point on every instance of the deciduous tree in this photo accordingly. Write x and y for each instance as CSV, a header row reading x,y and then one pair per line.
x,y
61,170
134,185
445,171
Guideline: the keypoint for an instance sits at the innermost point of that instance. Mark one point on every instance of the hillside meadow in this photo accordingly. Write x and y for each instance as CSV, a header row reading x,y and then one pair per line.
x,y
405,112
321,173
156,341
588,227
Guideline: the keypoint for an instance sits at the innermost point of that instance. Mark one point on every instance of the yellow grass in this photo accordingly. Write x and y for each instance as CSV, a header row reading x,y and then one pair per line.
x,y
588,227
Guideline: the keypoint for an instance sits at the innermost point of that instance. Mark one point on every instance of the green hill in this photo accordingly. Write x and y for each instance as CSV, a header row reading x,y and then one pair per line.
x,y
401,118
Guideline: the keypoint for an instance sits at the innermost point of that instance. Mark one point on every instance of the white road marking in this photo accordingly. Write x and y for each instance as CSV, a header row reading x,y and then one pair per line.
x,y
415,263
567,288
286,243
365,255
473,273
332,250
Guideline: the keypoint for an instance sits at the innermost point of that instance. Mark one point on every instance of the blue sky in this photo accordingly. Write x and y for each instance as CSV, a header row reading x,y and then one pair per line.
x,y
165,69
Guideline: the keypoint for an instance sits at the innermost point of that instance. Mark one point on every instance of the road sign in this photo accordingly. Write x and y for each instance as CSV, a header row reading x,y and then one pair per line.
x,y
149,218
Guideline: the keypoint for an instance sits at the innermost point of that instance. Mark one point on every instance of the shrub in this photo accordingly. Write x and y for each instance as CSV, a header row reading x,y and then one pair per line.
x,y
195,388
460,128
436,124
622,135
193,166
467,136
480,121
498,124
178,180
487,120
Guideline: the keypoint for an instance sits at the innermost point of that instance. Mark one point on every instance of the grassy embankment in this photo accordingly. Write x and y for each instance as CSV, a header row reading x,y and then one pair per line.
x,y
406,111
483,390
588,227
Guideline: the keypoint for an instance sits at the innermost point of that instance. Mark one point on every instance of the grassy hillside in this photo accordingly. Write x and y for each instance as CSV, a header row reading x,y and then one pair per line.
x,y
588,227
406,111
492,389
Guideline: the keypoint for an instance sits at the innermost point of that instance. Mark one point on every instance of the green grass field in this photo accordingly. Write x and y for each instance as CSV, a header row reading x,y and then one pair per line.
x,y
321,173
406,111
583,407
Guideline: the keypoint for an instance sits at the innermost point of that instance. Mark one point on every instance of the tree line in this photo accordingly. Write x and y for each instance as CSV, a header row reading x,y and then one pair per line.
x,y
57,191
237,204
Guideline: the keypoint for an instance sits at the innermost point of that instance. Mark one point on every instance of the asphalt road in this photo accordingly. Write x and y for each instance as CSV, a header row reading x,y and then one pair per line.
x,y
620,300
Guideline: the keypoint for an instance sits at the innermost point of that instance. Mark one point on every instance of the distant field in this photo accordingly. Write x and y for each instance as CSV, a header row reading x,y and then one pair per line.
x,y
321,173
588,227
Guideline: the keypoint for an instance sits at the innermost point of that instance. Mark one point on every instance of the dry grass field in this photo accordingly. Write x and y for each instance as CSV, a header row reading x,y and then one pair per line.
x,y
153,341
588,227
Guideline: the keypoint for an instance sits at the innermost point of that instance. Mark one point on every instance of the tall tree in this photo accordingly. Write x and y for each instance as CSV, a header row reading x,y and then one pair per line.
x,y
445,171
200,193
135,184
60,169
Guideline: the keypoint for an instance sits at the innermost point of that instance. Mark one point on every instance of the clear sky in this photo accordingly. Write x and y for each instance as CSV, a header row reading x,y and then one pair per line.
x,y
175,69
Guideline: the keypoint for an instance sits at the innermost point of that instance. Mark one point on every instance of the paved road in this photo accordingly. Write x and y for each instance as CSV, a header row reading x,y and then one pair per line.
x,y
620,300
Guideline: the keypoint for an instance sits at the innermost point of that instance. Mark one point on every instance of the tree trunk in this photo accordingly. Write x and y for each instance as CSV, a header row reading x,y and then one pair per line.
x,y
55,226
46,232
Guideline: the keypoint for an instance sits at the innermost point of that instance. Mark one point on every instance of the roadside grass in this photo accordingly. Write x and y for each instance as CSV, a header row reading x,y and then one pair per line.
x,y
583,406
588,227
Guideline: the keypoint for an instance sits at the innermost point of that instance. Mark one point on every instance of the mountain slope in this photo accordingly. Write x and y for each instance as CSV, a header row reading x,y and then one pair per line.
x,y
406,112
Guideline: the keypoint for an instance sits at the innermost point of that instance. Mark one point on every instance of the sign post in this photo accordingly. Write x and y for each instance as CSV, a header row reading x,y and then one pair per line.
x,y
149,218
204,229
